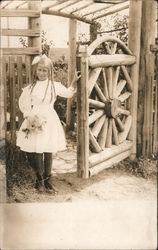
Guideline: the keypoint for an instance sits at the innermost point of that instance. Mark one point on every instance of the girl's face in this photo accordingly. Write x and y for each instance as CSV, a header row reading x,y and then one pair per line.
x,y
42,72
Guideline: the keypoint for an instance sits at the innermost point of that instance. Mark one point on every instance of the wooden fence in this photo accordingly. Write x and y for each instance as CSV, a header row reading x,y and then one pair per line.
x,y
16,75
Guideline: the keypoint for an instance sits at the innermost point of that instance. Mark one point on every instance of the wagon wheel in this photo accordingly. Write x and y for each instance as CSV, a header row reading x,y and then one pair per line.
x,y
109,90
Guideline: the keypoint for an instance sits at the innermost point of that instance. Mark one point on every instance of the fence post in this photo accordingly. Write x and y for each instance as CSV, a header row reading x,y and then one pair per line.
x,y
146,83
71,69
82,116
135,12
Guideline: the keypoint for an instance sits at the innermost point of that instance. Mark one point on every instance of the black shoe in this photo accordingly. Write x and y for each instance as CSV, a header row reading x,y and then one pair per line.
x,y
40,186
49,185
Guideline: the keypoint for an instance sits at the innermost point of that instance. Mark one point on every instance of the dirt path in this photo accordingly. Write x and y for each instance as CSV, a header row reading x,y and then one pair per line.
x,y
111,184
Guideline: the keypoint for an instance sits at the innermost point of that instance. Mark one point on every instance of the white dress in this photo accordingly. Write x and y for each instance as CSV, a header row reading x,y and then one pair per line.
x,y
52,138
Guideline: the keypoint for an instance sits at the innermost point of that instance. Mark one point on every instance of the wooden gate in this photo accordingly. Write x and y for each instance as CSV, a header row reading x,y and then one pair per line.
x,y
103,103
16,71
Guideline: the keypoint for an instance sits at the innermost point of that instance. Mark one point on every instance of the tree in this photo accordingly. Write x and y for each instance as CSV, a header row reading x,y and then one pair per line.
x,y
116,25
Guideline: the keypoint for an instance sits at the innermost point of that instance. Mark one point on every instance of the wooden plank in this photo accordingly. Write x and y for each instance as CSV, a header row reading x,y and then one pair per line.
x,y
67,15
82,117
3,104
96,61
155,146
93,76
20,85
19,13
112,10
21,32
134,43
21,51
82,7
28,69
109,163
12,100
68,4
108,153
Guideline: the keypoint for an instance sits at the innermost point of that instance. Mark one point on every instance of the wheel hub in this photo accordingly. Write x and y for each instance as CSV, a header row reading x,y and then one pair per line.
x,y
111,108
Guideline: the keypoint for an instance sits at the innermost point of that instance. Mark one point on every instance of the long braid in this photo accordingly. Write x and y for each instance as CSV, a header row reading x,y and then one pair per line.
x,y
53,94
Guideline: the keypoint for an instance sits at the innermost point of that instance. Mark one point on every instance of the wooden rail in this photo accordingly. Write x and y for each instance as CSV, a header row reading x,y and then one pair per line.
x,y
20,32
96,61
21,51
20,13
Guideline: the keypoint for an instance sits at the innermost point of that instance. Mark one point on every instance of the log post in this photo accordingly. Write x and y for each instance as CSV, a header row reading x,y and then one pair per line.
x,y
135,13
146,83
82,116
71,71
35,23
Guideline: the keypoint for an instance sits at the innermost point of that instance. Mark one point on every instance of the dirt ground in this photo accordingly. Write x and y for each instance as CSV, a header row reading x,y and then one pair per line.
x,y
116,183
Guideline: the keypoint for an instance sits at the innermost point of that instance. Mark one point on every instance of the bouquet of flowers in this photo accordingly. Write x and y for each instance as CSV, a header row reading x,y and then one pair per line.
x,y
34,124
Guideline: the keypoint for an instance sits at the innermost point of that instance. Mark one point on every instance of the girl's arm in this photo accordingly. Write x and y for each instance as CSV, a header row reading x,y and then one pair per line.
x,y
62,91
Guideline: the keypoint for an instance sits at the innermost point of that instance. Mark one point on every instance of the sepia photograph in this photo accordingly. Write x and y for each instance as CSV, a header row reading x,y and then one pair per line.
x,y
78,126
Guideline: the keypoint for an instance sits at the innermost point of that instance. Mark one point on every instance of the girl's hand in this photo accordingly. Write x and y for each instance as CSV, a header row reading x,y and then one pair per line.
x,y
76,77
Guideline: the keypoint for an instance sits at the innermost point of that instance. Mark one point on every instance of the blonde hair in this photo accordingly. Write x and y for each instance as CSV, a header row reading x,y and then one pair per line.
x,y
50,78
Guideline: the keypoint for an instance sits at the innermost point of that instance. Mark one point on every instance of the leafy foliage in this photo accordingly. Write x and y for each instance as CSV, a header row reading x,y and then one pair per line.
x,y
116,25
45,44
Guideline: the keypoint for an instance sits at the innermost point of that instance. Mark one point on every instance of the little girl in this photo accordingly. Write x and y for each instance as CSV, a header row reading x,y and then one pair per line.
x,y
41,132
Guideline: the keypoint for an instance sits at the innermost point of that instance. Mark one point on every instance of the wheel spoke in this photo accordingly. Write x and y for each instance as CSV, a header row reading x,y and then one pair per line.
x,y
124,96
113,48
93,76
94,142
109,134
119,124
115,79
122,111
106,93
123,135
95,116
109,82
128,79
115,133
96,104
98,126
99,93
119,88
103,133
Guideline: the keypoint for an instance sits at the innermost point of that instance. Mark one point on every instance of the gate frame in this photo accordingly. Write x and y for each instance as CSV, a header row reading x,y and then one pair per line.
x,y
83,165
